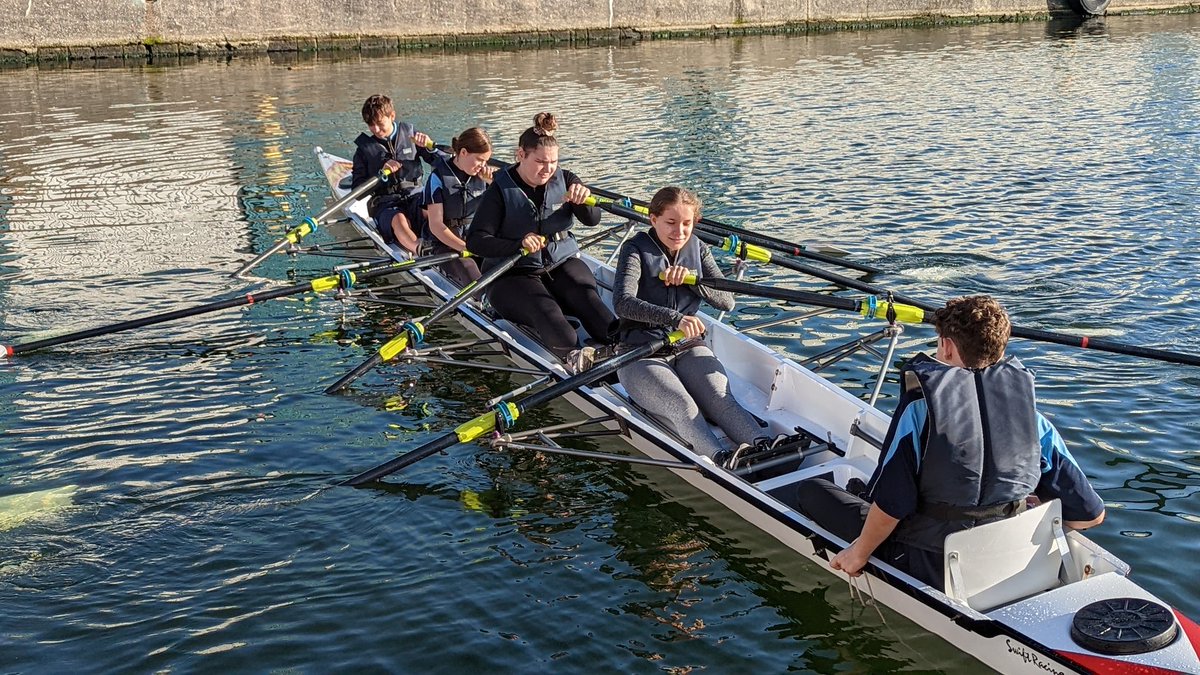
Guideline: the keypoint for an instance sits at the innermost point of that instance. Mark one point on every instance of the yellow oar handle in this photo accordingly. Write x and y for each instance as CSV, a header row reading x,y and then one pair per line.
x,y
525,251
305,228
742,249
904,313
689,278
329,283
593,200
413,331
483,424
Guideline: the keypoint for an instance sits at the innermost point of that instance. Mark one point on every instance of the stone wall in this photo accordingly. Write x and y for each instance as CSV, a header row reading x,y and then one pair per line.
x,y
41,30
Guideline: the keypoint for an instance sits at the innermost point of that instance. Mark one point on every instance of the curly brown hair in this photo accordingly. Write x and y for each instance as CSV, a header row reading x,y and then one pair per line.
x,y
979,327
376,107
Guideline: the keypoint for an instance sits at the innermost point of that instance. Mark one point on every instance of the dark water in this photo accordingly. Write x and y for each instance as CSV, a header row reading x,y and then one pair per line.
x,y
160,491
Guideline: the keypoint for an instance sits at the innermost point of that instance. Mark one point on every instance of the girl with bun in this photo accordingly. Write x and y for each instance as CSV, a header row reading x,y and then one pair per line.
x,y
531,205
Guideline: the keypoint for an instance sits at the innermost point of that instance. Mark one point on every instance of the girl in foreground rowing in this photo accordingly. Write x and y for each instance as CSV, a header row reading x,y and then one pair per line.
x,y
685,386
455,187
532,205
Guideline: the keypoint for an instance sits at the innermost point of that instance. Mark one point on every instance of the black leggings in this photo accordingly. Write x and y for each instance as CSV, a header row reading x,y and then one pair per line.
x,y
843,514
539,300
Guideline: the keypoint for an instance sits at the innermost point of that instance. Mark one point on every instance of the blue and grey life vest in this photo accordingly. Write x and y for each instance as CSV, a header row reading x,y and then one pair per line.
x,y
522,216
981,455
459,200
654,259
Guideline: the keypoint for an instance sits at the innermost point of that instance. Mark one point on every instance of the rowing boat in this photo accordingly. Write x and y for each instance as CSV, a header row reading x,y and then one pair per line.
x,y
1067,605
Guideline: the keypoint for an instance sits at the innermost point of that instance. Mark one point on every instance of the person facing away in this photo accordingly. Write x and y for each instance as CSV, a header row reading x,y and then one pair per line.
x,y
455,187
966,447
679,386
531,205
395,204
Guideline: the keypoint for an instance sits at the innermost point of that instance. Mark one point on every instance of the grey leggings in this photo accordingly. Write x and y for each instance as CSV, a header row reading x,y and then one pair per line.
x,y
682,392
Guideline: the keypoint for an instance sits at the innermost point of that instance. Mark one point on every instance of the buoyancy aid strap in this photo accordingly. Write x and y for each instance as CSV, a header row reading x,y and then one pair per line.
x,y
952,513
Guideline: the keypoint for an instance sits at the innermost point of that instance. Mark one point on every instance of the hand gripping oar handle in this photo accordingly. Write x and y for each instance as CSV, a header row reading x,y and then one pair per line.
x,y
414,331
505,412
763,240
344,280
910,311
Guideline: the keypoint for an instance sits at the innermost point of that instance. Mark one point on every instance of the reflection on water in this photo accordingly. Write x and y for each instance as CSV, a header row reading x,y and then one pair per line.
x,y
164,499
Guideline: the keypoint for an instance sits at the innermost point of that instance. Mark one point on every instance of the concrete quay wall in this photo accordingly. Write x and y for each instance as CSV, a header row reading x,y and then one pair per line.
x,y
37,30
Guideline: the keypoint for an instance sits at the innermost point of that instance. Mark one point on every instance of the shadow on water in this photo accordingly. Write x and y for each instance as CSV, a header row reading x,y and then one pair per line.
x,y
1075,26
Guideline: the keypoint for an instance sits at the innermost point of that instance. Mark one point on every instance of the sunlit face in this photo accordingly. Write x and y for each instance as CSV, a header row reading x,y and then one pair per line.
x,y
538,165
674,225
472,162
383,126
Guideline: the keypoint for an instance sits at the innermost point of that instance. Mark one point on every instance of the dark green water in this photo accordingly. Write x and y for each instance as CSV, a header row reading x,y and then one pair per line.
x,y
160,491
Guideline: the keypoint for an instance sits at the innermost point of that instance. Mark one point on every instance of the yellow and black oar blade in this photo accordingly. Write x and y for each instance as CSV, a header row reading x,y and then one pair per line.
x,y
344,279
510,411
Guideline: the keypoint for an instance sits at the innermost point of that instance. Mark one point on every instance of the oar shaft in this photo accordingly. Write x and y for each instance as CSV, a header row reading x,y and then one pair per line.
x,y
317,285
594,373
414,331
777,293
766,241
923,313
1100,344
472,289
403,461
359,370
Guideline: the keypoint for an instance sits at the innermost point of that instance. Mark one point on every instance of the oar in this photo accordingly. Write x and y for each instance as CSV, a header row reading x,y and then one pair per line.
x,y
919,312
310,225
779,245
414,331
738,244
507,412
345,279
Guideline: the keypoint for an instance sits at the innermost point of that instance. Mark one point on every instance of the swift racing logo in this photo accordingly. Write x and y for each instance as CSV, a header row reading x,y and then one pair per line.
x,y
1033,658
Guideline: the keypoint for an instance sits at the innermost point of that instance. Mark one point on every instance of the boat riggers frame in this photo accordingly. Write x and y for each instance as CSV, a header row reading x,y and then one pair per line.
x,y
311,224
910,312
506,413
414,331
343,280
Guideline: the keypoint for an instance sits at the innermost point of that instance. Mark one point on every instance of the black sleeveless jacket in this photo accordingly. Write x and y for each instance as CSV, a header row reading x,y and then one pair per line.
x,y
459,199
981,452
522,216
651,289
373,153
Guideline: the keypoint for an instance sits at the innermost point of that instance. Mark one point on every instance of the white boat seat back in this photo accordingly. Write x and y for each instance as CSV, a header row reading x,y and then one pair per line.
x,y
995,564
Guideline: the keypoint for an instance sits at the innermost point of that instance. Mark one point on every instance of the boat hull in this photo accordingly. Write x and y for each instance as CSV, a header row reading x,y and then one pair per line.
x,y
1030,636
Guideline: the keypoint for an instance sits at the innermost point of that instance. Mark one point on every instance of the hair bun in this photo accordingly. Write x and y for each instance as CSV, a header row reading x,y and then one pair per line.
x,y
545,124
